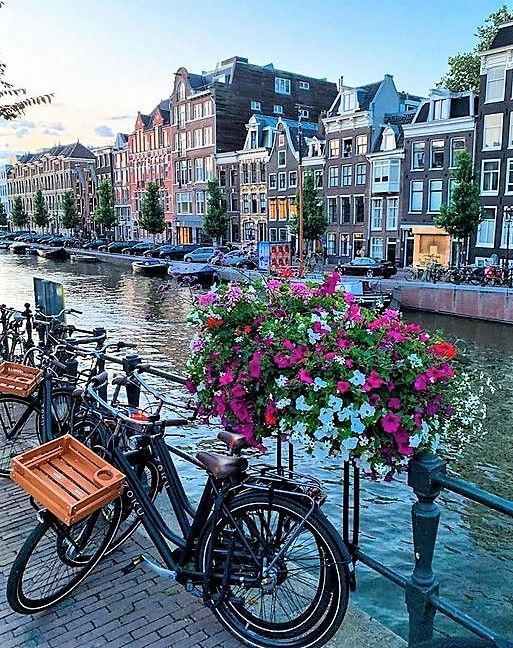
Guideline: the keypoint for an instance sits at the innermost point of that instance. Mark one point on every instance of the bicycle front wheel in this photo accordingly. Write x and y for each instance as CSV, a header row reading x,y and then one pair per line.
x,y
273,577
56,558
20,425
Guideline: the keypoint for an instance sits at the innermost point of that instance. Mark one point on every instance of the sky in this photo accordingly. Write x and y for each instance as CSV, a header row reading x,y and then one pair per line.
x,y
105,60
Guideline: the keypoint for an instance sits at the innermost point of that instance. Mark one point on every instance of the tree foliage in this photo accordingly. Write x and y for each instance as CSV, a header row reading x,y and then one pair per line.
x,y
19,216
104,215
70,217
13,100
315,220
3,215
152,215
464,67
461,217
216,219
40,216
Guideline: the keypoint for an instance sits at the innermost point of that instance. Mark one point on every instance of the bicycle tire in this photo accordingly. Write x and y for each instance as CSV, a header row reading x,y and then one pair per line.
x,y
410,275
20,428
243,609
57,540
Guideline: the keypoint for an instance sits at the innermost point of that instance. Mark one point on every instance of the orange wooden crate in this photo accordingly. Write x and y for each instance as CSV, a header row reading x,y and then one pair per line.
x,y
18,379
67,478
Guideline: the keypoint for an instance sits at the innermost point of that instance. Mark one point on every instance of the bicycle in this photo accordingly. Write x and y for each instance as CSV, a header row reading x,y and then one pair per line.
x,y
257,548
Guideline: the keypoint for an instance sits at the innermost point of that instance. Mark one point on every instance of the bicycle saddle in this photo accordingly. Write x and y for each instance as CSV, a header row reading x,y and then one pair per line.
x,y
220,466
235,442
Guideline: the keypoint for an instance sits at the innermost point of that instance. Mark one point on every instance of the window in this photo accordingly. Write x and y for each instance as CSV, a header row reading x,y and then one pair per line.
x,y
347,175
388,141
509,176
344,244
331,244
492,131
207,109
490,176
256,105
416,197
440,107
361,144
376,247
507,232
495,84
304,113
254,203
233,177
197,138
272,181
435,195
333,176
245,173
392,213
452,186
417,155
334,148
209,168
282,234
277,109
457,145
222,177
304,85
282,180
262,171
347,147
345,210
437,154
318,177
331,209
381,171
347,101
281,139
245,203
282,86
207,136
273,235
234,202
376,214
200,202
263,203
198,170
292,207
282,209
282,158
197,111
510,134
253,139
183,203
292,179
253,172
361,174
486,230
180,92
272,209
359,209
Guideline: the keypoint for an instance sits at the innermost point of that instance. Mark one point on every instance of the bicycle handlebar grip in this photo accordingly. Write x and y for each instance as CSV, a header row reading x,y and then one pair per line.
x,y
74,310
57,363
100,378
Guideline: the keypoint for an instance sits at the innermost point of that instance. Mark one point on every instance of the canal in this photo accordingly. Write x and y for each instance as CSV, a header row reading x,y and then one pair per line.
x,y
474,555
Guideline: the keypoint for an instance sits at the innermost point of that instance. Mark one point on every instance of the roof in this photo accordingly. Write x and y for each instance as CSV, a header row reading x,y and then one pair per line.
x,y
365,95
460,105
75,150
395,122
503,37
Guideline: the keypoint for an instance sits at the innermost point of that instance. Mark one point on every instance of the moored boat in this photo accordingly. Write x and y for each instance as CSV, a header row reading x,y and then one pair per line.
x,y
150,268
18,248
84,258
193,273
58,254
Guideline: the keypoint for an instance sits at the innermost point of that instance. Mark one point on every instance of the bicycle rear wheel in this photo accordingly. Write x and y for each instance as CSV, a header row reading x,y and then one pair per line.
x,y
56,558
301,600
20,427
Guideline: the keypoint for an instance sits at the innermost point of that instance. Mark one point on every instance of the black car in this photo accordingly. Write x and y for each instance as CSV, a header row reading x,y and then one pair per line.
x,y
140,248
95,244
117,246
172,252
368,267
235,258
61,240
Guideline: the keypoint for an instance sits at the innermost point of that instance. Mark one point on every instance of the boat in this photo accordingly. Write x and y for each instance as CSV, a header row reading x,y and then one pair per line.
x,y
18,248
58,254
4,246
193,273
150,268
241,275
84,258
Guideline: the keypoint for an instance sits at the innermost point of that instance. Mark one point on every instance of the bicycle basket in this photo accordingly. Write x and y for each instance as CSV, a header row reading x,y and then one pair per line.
x,y
67,478
19,380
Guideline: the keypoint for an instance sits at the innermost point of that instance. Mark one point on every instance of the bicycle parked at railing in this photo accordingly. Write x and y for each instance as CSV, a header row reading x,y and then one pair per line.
x,y
15,333
257,548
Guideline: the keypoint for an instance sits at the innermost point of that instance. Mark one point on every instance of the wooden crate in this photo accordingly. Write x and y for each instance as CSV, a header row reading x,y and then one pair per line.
x,y
18,379
67,478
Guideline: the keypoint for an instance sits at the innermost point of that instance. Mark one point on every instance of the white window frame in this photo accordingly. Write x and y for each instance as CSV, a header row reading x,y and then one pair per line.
x,y
453,140
361,176
392,208
492,71
333,177
347,101
372,246
331,244
504,243
282,159
282,85
361,144
332,215
273,181
304,85
277,109
346,179
282,181
490,192
335,151
418,168
510,131
345,200
432,156
498,143
256,105
509,170
292,179
412,192
431,193
487,222
376,223
304,113
344,243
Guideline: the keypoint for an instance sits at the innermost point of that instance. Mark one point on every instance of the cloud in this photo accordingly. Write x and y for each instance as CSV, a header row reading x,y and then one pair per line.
x,y
123,117
104,131
21,132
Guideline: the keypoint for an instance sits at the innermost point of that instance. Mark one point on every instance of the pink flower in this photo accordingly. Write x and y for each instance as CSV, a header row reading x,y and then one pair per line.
x,y
255,368
190,386
349,298
390,422
287,344
305,377
354,313
349,363
273,284
237,391
374,381
270,414
343,386
394,403
421,382
207,298
226,378
281,361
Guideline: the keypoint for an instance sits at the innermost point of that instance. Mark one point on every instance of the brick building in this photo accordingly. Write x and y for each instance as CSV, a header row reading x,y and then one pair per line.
x,y
121,184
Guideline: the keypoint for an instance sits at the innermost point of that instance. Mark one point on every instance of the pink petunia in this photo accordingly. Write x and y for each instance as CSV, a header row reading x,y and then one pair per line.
x,y
255,368
343,386
207,298
305,377
226,378
390,422
394,403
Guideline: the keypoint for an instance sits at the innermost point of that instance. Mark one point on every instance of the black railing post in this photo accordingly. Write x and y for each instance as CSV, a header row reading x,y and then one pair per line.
x,y
27,314
130,362
425,516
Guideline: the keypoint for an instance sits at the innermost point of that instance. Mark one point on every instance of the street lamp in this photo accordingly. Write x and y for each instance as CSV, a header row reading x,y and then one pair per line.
x,y
507,217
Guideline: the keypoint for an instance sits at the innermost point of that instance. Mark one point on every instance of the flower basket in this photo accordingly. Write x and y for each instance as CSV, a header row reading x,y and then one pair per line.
x,y
286,357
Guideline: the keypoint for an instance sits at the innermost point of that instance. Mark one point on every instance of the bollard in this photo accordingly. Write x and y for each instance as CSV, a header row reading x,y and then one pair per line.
x,y
425,517
27,314
130,362
100,333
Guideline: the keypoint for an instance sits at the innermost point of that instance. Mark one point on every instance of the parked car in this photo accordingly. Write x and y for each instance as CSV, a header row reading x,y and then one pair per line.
x,y
235,258
95,244
172,252
140,248
203,254
368,267
62,240
117,246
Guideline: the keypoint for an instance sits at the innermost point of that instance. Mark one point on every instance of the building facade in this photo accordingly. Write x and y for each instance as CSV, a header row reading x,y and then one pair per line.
x,y
442,126
121,185
3,186
62,168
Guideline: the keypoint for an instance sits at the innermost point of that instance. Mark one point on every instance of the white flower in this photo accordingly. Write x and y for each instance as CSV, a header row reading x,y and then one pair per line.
x,y
302,405
313,337
350,443
335,403
282,403
200,386
366,410
281,381
415,440
319,383
414,359
326,415
358,378
299,429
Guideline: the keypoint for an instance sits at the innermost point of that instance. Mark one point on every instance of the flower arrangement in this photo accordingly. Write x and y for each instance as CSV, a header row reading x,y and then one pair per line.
x,y
309,362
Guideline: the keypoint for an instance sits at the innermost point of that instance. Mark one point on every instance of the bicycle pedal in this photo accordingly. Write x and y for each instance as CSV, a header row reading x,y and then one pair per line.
x,y
133,564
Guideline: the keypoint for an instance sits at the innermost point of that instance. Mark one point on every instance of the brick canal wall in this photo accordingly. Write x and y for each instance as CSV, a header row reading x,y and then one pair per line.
x,y
476,302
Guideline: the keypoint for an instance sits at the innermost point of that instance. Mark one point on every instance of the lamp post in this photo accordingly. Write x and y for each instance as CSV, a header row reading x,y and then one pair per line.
x,y
177,224
507,217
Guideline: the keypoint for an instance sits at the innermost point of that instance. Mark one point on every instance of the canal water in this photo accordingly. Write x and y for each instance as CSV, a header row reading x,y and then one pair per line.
x,y
474,553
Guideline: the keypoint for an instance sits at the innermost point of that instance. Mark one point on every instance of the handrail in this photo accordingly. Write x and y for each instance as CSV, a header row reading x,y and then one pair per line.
x,y
474,493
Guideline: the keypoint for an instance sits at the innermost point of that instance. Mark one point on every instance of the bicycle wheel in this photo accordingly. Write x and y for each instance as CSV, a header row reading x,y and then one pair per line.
x,y
20,428
63,404
16,348
56,558
33,357
302,598
410,274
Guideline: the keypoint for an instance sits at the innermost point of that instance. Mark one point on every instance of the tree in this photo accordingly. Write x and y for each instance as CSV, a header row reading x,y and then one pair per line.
x,y
105,216
464,67
152,215
40,216
216,220
70,217
19,216
461,217
315,221
3,215
14,101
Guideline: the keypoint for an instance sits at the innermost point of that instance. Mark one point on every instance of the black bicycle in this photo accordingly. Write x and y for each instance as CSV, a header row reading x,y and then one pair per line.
x,y
257,548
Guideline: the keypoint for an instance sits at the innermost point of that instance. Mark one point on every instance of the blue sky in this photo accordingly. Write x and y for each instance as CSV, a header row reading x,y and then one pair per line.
x,y
106,59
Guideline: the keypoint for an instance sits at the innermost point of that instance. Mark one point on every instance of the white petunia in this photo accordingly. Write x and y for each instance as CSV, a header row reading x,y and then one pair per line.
x,y
358,378
350,443
281,381
282,403
302,405
319,383
366,410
